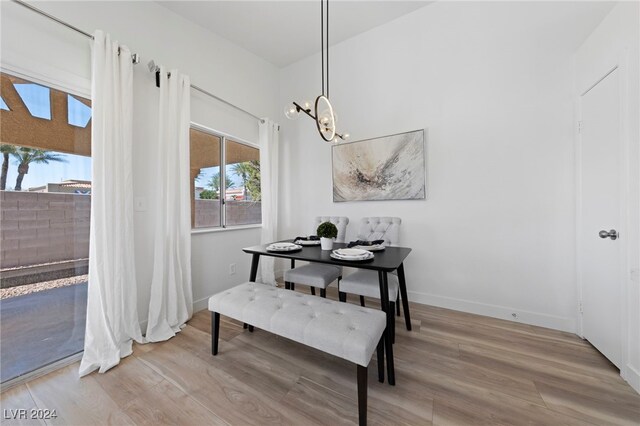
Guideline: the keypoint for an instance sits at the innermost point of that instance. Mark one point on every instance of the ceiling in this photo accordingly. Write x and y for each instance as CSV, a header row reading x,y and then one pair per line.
x,y
283,32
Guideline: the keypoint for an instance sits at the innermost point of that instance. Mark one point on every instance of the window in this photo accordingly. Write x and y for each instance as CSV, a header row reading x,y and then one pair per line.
x,y
225,179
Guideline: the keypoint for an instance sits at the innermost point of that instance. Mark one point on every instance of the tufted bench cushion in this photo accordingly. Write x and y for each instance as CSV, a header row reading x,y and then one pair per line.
x,y
347,331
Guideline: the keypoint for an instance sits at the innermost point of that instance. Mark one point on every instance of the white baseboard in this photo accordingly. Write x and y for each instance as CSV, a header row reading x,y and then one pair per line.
x,y
201,304
494,311
632,376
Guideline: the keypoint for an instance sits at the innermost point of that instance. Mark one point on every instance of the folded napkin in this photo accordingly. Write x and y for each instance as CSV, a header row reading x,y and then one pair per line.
x,y
364,243
309,238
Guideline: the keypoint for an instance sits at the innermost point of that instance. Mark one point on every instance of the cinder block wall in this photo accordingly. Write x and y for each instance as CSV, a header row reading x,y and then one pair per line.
x,y
41,228
238,213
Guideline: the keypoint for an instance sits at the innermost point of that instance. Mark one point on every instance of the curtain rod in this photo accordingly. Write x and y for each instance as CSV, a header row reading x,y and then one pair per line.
x,y
134,56
156,69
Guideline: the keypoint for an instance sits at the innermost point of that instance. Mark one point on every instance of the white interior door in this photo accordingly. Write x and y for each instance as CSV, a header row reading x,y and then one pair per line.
x,y
599,164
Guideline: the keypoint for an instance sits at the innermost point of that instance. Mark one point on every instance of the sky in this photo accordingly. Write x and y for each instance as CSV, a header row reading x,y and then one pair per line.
x,y
206,174
37,100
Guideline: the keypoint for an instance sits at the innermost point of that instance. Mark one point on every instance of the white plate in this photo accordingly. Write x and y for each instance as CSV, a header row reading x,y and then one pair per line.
x,y
280,247
308,242
351,252
376,247
352,259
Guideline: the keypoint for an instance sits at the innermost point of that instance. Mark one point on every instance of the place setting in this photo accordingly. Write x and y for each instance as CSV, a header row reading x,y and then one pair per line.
x,y
352,254
311,240
376,245
283,247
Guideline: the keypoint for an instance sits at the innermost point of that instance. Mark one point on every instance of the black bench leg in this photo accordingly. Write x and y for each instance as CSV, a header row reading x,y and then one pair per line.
x,y
293,286
287,285
250,329
313,291
342,296
245,325
362,395
215,332
391,374
323,292
361,300
380,356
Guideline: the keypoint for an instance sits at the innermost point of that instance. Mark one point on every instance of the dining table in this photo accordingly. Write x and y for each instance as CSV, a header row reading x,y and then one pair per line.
x,y
383,262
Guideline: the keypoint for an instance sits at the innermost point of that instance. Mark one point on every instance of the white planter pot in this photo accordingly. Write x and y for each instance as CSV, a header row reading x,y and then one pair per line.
x,y
326,243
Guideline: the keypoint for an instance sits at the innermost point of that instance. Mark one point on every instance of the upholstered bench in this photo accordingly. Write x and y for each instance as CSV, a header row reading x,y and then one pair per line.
x,y
347,331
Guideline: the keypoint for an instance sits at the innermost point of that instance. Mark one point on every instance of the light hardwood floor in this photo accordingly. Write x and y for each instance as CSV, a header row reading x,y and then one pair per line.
x,y
453,368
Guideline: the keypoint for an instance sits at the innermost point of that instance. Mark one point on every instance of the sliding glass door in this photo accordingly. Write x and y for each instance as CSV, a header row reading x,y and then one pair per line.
x,y
45,199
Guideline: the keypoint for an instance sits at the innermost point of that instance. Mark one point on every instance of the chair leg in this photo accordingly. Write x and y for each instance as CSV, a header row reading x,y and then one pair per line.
x,y
398,306
362,395
215,332
380,356
405,299
392,307
361,300
323,292
313,291
342,296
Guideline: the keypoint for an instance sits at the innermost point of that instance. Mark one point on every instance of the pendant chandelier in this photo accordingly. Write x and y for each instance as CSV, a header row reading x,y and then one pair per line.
x,y
323,113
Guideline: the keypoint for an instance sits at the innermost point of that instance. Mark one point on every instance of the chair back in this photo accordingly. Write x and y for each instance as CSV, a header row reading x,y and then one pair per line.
x,y
340,222
380,228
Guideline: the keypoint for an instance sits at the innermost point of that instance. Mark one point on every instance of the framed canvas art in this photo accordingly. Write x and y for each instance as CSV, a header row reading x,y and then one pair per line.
x,y
386,168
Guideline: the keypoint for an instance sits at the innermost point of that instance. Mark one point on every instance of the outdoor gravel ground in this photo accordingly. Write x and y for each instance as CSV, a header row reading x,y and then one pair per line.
x,y
6,293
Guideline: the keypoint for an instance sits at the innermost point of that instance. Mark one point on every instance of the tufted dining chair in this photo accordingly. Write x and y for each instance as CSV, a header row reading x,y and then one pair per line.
x,y
365,283
317,275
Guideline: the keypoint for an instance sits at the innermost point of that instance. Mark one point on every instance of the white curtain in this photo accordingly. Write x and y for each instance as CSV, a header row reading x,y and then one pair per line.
x,y
171,303
269,134
112,316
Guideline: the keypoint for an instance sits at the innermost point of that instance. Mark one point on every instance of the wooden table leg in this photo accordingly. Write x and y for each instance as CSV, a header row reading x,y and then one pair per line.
x,y
403,294
384,302
254,267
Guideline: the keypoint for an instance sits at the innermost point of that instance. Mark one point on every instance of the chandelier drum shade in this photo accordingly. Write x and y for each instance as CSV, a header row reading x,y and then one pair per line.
x,y
323,113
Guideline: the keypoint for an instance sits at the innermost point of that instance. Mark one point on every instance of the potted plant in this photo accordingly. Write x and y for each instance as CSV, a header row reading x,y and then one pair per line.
x,y
327,232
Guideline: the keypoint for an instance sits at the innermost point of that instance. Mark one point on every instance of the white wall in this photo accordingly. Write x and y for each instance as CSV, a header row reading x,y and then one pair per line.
x,y
493,85
616,41
36,46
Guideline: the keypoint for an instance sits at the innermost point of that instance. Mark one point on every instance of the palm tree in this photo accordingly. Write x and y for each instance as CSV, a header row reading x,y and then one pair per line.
x,y
253,180
242,170
215,182
6,150
25,156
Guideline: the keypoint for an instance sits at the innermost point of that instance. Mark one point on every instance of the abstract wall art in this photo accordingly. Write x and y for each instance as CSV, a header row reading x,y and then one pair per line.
x,y
386,168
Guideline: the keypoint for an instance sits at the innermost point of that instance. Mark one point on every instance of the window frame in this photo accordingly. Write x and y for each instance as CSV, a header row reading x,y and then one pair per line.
x,y
223,136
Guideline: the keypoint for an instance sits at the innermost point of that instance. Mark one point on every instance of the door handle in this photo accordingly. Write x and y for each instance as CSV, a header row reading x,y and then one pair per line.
x,y
613,234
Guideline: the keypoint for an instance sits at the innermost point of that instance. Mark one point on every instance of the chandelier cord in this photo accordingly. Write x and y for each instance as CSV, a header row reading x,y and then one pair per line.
x,y
327,49
322,40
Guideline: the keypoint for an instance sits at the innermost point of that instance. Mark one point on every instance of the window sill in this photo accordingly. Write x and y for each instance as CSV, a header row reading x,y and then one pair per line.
x,y
228,228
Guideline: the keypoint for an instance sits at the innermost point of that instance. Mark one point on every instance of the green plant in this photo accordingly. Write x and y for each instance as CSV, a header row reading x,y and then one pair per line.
x,y
327,230
208,194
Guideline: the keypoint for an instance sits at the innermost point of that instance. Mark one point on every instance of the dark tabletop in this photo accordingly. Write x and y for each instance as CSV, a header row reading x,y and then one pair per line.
x,y
387,260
